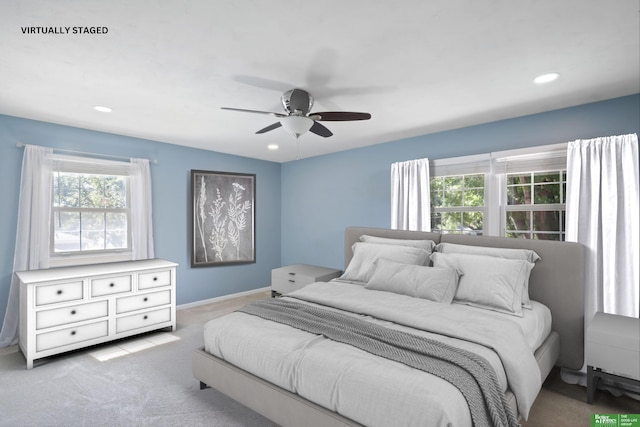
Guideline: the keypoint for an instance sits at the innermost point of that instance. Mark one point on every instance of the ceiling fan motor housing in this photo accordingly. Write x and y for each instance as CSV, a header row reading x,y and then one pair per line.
x,y
297,102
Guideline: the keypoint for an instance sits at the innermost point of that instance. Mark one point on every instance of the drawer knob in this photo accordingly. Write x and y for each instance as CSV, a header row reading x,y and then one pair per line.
x,y
145,299
145,317
111,285
155,278
73,332
73,312
292,281
59,292
292,274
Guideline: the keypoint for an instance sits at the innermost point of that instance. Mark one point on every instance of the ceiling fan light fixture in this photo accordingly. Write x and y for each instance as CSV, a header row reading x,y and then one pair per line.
x,y
296,125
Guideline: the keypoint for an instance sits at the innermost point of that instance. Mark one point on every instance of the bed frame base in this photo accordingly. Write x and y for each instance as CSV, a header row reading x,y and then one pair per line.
x,y
280,406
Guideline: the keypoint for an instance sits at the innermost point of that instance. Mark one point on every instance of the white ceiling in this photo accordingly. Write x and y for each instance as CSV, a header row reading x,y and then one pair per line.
x,y
166,67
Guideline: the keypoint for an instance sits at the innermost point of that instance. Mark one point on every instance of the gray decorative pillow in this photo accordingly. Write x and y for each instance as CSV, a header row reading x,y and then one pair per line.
x,y
432,283
427,245
365,255
488,282
507,253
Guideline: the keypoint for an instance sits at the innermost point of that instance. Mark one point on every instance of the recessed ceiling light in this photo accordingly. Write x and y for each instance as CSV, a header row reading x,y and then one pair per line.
x,y
546,78
273,146
102,109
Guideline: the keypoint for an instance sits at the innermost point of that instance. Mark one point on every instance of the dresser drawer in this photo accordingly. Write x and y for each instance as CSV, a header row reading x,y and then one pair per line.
x,y
142,320
138,302
60,292
75,313
63,337
110,285
154,280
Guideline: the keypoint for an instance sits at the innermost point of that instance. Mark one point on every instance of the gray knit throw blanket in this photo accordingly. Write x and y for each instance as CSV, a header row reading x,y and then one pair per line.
x,y
470,373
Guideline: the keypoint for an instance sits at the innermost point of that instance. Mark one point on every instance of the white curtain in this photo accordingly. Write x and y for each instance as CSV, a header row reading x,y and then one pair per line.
x,y
410,195
602,214
32,234
141,214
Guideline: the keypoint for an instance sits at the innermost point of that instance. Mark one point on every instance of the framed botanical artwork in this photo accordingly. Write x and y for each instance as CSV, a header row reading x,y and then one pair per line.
x,y
223,223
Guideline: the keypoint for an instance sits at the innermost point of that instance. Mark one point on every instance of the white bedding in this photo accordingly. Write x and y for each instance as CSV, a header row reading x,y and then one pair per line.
x,y
368,389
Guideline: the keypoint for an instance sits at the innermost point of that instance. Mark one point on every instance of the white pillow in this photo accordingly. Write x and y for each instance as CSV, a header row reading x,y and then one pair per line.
x,y
435,284
508,253
365,255
488,282
427,245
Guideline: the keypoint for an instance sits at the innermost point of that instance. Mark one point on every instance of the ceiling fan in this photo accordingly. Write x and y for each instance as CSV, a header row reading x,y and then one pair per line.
x,y
298,118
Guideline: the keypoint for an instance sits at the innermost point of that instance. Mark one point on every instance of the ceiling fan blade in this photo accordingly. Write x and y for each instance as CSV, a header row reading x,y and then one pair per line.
x,y
276,125
299,100
242,110
321,130
339,116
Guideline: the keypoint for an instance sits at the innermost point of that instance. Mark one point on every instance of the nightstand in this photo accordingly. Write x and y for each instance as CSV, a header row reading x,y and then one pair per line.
x,y
293,277
613,345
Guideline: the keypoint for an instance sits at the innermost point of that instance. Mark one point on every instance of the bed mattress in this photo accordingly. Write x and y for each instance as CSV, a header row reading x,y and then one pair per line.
x,y
376,391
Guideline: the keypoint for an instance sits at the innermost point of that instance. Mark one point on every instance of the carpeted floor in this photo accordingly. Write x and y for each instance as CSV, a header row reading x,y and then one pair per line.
x,y
155,387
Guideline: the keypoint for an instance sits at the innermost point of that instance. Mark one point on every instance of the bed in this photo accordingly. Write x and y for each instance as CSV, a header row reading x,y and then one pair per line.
x,y
296,375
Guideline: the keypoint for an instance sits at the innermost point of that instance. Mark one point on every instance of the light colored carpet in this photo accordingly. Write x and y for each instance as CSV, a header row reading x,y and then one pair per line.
x,y
150,387
155,387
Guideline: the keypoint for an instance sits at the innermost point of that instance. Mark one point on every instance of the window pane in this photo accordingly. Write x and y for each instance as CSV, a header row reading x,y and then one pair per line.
x,y
472,222
453,182
518,221
546,193
65,190
92,240
546,177
518,179
451,221
92,231
519,195
436,221
546,221
474,197
115,192
436,185
91,191
116,231
547,236
452,198
66,231
471,181
519,235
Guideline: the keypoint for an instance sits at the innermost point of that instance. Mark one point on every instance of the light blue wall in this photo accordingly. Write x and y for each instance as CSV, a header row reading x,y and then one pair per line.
x,y
171,193
302,206
323,195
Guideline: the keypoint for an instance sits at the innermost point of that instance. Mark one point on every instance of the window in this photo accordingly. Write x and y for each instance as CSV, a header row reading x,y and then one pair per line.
x,y
535,207
90,213
457,204
90,210
517,193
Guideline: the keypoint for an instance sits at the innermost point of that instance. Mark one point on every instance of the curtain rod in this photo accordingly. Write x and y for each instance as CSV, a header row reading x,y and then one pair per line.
x,y
20,145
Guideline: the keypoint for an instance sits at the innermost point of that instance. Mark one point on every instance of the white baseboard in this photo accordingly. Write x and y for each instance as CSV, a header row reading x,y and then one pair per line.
x,y
222,298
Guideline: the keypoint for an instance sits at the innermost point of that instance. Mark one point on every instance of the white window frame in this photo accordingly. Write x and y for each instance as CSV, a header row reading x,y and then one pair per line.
x,y
495,166
88,165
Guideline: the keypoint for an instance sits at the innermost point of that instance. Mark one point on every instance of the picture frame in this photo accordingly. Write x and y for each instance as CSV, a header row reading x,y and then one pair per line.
x,y
223,218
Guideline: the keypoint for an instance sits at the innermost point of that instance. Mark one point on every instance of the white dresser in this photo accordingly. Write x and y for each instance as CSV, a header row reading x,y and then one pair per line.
x,y
292,277
67,308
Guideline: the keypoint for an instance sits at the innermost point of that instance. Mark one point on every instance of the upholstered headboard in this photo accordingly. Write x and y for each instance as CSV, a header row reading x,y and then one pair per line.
x,y
557,280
